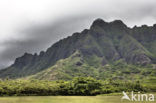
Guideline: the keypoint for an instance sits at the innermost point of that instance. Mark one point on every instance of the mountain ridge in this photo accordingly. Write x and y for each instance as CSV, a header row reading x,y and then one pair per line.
x,y
110,41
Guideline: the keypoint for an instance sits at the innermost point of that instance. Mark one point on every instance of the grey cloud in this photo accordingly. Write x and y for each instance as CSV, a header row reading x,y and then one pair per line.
x,y
40,37
136,13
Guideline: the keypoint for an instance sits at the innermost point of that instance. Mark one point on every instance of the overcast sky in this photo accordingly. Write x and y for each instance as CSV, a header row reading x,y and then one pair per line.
x,y
34,25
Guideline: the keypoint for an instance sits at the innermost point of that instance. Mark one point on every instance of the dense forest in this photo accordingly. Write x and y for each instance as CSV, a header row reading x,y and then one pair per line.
x,y
76,86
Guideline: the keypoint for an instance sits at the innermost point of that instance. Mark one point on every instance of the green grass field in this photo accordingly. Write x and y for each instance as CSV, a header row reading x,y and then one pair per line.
x,y
65,99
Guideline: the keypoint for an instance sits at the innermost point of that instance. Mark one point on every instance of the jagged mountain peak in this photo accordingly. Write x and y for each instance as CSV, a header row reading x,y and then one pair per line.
x,y
118,23
116,26
99,22
27,54
154,25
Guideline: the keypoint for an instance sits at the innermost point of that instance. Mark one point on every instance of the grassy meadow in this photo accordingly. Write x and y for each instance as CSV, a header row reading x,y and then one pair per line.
x,y
66,99
62,99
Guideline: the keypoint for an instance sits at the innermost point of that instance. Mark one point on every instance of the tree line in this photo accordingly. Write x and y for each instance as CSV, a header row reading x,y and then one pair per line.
x,y
77,86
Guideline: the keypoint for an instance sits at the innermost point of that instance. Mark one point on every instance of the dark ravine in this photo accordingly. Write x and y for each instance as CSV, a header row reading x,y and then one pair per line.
x,y
108,41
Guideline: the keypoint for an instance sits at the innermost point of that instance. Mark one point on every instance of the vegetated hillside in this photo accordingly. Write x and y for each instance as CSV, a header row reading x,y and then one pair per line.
x,y
106,50
78,66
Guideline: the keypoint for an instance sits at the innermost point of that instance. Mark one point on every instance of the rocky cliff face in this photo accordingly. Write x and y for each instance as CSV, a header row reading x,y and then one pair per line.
x,y
110,41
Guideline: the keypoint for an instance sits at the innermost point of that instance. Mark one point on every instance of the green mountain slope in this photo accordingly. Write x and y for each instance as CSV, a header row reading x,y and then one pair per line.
x,y
78,66
99,50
